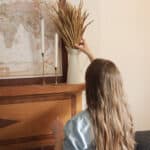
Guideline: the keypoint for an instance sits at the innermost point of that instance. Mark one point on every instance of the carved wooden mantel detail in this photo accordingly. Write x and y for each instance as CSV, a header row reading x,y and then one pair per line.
x,y
32,117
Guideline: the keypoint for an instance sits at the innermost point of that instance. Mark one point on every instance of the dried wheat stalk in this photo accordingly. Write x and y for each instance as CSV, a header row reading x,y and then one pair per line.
x,y
70,22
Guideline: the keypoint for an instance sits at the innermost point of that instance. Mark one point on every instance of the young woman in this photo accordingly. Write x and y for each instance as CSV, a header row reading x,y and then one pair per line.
x,y
106,124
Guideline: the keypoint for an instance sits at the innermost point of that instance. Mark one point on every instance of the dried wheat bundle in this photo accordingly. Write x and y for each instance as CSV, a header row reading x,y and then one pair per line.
x,y
70,22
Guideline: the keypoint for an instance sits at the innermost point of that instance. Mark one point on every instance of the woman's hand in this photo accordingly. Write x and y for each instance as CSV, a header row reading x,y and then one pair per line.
x,y
82,46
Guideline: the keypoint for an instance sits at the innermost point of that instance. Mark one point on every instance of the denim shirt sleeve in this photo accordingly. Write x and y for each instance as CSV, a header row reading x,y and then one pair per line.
x,y
77,134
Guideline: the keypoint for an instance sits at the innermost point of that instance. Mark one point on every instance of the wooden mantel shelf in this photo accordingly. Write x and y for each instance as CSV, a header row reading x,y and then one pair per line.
x,y
31,116
40,89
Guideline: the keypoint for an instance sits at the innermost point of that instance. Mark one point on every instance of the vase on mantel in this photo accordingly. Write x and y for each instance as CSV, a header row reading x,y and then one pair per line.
x,y
74,74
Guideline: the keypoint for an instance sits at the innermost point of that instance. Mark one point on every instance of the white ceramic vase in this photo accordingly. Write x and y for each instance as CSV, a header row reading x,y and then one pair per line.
x,y
74,75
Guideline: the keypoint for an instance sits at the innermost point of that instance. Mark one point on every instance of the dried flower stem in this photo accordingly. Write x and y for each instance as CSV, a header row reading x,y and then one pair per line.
x,y
70,22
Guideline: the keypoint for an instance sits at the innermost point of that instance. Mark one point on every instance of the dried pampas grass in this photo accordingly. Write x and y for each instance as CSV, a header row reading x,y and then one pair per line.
x,y
70,22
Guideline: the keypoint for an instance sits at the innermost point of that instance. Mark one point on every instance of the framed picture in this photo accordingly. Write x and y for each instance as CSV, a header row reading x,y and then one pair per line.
x,y
21,53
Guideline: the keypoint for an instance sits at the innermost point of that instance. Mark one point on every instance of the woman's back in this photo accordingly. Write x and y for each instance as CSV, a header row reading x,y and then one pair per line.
x,y
111,120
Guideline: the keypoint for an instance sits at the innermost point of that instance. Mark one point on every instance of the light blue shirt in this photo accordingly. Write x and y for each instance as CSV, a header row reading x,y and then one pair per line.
x,y
78,133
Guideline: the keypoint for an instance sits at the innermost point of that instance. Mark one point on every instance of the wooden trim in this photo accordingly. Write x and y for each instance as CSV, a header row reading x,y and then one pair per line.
x,y
73,105
39,89
19,140
33,98
7,122
65,62
78,102
30,81
45,147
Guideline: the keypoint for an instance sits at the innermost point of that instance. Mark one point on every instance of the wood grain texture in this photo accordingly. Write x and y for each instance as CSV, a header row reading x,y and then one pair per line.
x,y
39,112
6,122
40,89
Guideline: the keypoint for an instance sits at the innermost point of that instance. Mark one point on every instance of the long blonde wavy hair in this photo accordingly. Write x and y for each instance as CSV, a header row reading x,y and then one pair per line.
x,y
111,119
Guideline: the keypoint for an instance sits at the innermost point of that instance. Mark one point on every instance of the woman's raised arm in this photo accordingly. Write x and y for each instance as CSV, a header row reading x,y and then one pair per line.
x,y
82,46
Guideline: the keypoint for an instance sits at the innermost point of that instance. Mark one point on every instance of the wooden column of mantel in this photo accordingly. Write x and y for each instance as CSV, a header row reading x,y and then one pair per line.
x,y
32,117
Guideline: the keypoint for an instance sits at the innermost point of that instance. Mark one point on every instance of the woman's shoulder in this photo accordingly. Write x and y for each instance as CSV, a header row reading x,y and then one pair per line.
x,y
81,117
78,132
79,124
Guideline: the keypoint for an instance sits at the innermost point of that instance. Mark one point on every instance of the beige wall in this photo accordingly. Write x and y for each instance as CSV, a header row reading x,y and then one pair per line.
x,y
121,32
124,38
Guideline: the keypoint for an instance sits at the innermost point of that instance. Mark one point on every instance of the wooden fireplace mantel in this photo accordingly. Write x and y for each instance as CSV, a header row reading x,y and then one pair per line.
x,y
32,117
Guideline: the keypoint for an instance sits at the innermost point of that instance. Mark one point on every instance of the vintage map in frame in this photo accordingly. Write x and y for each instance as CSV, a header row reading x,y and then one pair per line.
x,y
20,40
